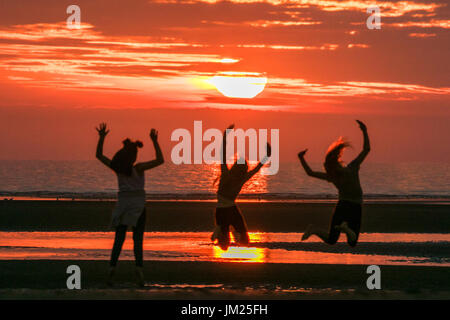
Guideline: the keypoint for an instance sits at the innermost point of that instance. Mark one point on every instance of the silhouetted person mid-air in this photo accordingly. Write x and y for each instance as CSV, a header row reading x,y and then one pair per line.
x,y
130,207
347,214
230,184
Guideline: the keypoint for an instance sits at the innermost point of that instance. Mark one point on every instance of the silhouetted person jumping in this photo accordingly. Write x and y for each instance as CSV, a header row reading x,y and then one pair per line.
x,y
230,184
130,207
347,214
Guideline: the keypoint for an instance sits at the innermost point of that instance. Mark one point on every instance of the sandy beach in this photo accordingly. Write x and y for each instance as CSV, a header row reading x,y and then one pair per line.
x,y
203,280
42,278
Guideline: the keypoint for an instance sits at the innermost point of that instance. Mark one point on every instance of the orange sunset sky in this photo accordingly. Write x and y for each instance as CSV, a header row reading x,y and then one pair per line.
x,y
139,64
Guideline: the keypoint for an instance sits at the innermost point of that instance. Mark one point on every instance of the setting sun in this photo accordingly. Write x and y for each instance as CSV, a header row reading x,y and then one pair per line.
x,y
239,84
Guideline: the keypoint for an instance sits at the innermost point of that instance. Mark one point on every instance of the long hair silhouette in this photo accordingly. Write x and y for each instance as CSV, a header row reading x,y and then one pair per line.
x,y
347,213
334,155
238,170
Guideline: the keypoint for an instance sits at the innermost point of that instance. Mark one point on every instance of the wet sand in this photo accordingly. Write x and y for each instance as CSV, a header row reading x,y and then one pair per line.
x,y
407,249
19,215
208,280
46,279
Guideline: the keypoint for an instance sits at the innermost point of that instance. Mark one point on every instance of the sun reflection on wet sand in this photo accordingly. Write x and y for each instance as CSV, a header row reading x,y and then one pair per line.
x,y
242,254
377,248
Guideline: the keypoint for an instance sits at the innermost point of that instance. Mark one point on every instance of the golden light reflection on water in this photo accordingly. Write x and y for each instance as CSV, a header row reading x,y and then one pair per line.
x,y
257,184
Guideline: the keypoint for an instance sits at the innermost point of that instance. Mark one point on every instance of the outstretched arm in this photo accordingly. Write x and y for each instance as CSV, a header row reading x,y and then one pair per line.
x,y
102,132
223,160
142,166
309,172
366,148
260,164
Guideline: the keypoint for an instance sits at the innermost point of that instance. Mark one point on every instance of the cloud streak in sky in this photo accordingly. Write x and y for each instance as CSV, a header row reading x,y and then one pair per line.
x,y
306,49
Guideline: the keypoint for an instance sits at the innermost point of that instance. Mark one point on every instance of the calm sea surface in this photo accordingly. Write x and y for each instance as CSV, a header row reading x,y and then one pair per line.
x,y
91,178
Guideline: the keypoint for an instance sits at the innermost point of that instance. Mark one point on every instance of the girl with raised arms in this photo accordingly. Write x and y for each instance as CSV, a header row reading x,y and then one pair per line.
x,y
231,182
347,214
130,207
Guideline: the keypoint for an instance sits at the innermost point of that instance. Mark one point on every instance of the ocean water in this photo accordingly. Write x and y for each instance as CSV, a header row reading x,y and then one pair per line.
x,y
92,179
